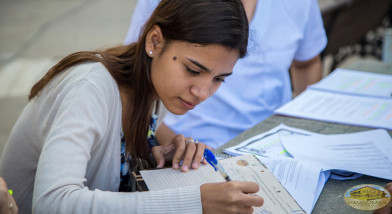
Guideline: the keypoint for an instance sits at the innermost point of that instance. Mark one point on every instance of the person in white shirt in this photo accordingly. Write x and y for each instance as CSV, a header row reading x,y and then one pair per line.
x,y
91,119
283,35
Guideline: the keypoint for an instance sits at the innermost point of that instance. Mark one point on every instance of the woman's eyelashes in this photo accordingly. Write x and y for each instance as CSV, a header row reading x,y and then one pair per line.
x,y
219,79
193,72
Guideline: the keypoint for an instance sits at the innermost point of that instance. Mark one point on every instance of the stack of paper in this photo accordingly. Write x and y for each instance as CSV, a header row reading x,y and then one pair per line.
x,y
348,97
368,152
298,157
244,168
304,181
302,160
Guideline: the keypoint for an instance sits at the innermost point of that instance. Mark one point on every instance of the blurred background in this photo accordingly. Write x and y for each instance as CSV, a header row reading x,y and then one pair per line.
x,y
34,35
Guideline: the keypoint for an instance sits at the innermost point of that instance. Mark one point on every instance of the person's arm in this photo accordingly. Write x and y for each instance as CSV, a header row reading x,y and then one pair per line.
x,y
306,67
164,134
82,117
304,73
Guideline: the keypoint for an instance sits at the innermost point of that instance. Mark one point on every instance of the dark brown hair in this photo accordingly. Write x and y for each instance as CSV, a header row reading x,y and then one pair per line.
x,y
203,22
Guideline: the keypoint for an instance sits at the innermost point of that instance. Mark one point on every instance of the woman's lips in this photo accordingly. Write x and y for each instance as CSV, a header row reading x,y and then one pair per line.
x,y
187,105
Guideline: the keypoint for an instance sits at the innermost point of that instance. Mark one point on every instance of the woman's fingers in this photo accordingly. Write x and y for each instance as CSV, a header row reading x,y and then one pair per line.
x,y
158,156
198,156
187,150
179,142
248,187
189,154
230,197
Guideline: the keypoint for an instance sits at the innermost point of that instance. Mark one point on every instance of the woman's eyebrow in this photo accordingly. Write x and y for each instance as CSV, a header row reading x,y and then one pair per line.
x,y
226,74
205,68
199,65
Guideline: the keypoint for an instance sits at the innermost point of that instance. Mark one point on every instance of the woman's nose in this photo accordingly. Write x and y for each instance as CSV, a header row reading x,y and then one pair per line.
x,y
201,90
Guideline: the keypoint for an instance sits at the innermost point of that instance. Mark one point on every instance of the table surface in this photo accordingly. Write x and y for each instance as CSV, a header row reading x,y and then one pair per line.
x,y
331,199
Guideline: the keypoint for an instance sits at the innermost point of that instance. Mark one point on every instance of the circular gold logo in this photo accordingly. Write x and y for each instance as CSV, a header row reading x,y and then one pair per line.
x,y
242,162
367,197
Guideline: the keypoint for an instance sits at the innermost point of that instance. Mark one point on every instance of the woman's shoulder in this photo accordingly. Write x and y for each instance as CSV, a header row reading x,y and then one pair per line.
x,y
84,79
96,74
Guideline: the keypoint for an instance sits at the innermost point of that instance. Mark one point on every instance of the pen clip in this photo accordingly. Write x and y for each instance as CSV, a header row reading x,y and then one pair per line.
x,y
209,156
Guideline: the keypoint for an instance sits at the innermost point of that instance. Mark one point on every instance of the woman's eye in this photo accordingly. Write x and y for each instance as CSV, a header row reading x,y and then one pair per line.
x,y
219,79
192,71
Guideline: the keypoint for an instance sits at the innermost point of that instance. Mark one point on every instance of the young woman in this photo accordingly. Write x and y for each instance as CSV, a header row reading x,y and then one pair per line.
x,y
92,117
285,35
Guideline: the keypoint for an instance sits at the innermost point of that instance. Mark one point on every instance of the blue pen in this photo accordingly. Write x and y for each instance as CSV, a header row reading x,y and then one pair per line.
x,y
210,157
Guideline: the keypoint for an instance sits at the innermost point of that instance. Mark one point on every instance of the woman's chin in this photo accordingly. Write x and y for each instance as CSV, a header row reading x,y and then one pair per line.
x,y
177,111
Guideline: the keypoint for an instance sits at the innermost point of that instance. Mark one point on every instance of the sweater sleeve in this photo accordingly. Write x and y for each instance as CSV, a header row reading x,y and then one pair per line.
x,y
80,119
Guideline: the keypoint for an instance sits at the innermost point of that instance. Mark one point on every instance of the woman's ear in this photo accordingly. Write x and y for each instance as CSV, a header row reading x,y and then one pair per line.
x,y
154,41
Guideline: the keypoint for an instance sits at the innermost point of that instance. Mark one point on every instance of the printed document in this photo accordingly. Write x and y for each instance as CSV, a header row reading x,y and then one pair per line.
x,y
368,152
348,97
357,82
303,180
267,144
240,168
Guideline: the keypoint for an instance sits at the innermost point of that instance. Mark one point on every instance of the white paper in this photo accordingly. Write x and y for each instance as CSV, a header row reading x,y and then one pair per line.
x,y
241,168
357,82
304,181
276,198
368,152
341,108
267,144
301,179
167,178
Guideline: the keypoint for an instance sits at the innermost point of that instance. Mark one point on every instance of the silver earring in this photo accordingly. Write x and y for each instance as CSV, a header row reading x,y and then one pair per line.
x,y
150,52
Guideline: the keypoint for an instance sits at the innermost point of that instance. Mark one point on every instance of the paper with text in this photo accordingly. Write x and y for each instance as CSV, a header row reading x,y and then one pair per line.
x,y
341,108
267,144
301,179
368,152
290,172
168,178
357,82
240,168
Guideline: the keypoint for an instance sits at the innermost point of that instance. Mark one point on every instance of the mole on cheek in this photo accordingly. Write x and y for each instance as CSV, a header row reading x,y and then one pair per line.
x,y
174,58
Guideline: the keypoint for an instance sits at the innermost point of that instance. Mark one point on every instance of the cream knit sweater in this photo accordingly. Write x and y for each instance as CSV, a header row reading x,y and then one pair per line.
x,y
63,154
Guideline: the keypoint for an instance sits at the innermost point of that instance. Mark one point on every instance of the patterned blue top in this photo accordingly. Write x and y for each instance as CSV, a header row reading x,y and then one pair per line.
x,y
127,183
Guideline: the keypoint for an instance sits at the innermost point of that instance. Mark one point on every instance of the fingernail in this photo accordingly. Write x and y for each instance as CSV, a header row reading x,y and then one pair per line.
x,y
195,165
184,168
175,165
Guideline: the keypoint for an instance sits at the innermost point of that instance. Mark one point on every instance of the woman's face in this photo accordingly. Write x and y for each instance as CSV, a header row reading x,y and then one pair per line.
x,y
186,74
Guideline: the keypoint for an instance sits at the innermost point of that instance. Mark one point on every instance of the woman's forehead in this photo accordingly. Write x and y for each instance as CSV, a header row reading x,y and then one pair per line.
x,y
216,58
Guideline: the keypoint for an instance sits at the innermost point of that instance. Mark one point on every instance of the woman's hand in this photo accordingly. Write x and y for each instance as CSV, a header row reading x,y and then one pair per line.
x,y
180,149
388,208
7,202
230,197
